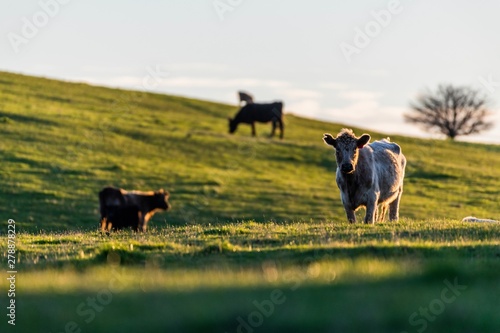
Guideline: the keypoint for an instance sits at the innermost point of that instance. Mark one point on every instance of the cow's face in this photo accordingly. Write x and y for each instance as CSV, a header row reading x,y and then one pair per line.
x,y
161,197
347,147
232,125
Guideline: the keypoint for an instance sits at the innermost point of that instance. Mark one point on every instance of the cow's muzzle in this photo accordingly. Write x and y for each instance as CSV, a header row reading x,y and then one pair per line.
x,y
347,168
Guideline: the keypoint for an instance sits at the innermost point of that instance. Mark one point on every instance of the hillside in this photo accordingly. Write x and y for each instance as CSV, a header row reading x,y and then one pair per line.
x,y
62,142
253,220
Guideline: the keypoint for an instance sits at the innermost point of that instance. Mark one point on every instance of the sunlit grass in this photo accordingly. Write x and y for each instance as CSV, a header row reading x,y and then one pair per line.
x,y
330,274
62,142
249,216
151,278
248,254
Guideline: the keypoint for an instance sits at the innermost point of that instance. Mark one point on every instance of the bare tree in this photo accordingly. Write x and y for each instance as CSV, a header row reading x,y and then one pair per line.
x,y
452,111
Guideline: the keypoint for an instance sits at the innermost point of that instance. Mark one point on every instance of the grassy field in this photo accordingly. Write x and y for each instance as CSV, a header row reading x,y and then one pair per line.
x,y
256,240
322,277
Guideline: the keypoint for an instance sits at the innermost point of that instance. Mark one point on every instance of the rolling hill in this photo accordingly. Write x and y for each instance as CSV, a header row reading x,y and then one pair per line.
x,y
254,221
62,142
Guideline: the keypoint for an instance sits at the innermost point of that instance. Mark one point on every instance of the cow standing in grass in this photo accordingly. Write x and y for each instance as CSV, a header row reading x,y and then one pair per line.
x,y
121,207
121,217
245,97
261,113
368,174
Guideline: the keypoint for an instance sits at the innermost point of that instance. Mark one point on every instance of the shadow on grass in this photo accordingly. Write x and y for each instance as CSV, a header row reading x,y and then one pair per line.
x,y
218,254
25,119
376,307
53,98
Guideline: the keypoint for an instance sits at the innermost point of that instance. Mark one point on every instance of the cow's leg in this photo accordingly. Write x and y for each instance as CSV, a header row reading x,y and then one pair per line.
x,y
394,207
274,129
383,212
104,214
371,209
103,223
351,217
140,225
142,222
349,210
253,129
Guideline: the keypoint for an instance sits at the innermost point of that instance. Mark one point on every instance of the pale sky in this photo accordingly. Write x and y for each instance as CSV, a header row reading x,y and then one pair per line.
x,y
356,62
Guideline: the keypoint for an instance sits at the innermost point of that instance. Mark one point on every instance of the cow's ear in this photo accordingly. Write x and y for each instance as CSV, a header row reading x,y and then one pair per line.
x,y
363,140
329,140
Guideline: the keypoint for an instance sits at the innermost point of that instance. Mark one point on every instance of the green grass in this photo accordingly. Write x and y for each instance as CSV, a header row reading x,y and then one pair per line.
x,y
331,277
250,216
61,143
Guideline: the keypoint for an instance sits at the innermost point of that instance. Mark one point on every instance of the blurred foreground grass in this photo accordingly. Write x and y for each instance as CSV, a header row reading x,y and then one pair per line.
x,y
322,277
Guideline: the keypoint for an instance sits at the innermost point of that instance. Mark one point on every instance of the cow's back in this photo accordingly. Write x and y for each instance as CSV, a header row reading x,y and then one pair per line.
x,y
384,144
261,112
111,196
138,197
389,164
386,152
269,111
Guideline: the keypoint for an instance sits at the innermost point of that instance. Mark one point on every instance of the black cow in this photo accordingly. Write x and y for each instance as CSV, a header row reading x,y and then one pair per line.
x,y
120,217
245,97
261,113
148,203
